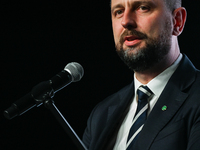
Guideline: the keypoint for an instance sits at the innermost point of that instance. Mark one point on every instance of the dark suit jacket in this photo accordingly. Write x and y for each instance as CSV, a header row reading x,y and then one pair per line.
x,y
177,128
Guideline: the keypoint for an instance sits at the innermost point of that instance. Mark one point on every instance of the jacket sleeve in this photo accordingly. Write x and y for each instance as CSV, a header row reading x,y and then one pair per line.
x,y
90,131
87,133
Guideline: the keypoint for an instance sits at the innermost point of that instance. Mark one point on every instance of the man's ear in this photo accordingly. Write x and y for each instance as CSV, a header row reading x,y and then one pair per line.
x,y
179,19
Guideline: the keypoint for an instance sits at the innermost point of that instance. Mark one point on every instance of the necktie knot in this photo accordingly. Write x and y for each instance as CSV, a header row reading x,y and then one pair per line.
x,y
143,93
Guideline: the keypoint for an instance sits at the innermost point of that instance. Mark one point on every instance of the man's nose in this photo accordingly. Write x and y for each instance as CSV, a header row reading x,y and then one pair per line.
x,y
128,20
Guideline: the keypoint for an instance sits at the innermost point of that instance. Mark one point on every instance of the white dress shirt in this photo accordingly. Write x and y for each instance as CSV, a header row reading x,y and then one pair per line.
x,y
156,85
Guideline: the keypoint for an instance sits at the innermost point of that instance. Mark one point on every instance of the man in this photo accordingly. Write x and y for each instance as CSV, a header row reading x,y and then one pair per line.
x,y
145,34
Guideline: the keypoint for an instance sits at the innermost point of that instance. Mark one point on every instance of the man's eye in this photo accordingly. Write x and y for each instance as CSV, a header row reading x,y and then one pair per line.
x,y
144,8
118,12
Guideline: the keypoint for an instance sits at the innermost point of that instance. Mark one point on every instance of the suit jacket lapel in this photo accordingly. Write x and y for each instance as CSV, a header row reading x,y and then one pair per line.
x,y
159,118
173,97
121,104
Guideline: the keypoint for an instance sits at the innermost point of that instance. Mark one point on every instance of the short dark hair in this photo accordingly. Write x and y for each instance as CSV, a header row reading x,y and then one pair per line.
x,y
173,4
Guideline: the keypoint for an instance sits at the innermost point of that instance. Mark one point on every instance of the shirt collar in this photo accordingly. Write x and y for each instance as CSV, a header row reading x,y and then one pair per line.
x,y
157,84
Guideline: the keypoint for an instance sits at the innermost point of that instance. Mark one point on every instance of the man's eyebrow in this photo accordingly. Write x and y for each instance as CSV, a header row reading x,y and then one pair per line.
x,y
116,6
134,3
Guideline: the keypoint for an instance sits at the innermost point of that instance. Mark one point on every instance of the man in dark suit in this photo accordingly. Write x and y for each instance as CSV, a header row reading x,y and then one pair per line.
x,y
145,34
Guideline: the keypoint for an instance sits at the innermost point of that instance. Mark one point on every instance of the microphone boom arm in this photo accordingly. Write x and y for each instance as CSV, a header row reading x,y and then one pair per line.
x,y
43,94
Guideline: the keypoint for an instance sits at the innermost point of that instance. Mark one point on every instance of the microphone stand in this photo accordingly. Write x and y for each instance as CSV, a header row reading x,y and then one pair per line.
x,y
49,104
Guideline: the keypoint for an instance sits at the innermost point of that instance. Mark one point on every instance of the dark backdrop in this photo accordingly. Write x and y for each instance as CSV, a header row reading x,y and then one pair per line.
x,y
38,40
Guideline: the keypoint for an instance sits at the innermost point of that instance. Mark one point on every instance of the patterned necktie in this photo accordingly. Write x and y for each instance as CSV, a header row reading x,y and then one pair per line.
x,y
144,93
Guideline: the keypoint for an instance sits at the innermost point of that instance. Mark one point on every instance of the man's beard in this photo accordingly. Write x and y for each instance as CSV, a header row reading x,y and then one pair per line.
x,y
143,58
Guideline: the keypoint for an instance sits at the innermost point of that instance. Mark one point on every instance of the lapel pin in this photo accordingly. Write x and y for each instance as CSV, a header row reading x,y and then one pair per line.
x,y
164,108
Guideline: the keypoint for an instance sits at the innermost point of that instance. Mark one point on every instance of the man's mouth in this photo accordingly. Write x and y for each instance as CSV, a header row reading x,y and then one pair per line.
x,y
132,40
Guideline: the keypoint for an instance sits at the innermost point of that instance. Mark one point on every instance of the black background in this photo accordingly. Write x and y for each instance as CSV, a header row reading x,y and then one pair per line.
x,y
38,40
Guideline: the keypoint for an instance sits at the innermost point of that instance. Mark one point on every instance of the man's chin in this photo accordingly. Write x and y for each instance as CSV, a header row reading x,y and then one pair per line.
x,y
132,50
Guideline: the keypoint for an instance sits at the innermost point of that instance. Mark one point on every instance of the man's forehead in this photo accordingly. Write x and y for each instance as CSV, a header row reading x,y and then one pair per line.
x,y
113,2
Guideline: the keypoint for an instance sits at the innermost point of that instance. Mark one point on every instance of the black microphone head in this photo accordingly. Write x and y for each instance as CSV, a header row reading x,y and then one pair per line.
x,y
76,71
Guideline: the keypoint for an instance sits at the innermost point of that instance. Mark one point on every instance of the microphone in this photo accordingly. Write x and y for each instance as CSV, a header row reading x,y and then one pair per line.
x,y
72,72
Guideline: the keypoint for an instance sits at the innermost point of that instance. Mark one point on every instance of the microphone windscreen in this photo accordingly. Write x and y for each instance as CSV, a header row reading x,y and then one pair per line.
x,y
76,71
